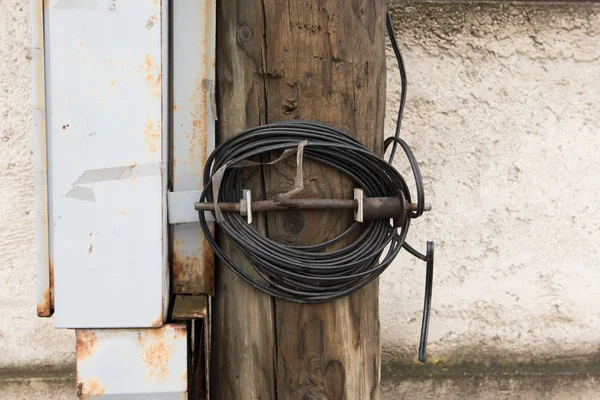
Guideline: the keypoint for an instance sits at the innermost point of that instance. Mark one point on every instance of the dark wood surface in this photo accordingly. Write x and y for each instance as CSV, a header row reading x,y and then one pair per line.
x,y
322,60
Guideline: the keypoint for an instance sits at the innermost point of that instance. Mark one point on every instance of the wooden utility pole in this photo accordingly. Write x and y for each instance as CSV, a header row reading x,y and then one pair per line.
x,y
322,60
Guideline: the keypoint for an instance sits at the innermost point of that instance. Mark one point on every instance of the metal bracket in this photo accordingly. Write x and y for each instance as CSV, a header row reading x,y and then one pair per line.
x,y
180,206
247,195
359,213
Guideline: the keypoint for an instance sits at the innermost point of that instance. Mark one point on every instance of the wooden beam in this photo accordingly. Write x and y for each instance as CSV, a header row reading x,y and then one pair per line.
x,y
322,60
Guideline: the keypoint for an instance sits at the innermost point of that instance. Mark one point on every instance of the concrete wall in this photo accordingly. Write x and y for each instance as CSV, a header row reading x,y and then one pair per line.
x,y
25,340
503,114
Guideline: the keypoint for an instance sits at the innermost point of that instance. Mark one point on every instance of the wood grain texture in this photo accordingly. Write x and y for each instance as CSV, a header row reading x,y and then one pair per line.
x,y
322,60
243,336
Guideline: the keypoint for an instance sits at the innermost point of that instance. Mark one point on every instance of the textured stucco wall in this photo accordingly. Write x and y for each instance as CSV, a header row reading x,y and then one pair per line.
x,y
503,114
25,340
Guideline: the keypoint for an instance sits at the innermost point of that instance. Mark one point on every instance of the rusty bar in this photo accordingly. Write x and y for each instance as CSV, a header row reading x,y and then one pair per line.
x,y
374,207
382,208
227,207
273,205
304,204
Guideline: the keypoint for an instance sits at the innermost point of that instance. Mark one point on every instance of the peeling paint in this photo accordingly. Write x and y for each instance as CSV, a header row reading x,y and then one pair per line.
x,y
151,21
81,193
121,172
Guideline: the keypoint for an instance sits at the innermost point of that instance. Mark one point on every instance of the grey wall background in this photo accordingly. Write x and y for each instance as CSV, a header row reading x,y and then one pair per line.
x,y
503,114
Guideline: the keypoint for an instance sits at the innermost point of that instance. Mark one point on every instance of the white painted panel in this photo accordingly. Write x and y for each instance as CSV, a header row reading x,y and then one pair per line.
x,y
133,363
106,157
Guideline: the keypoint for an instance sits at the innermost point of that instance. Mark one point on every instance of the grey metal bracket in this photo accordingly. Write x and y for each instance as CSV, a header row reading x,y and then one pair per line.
x,y
180,206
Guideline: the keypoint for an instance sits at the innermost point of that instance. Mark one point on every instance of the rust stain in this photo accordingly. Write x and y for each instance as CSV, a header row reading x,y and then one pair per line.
x,y
86,344
179,331
152,135
180,273
90,248
194,274
123,212
197,138
158,321
174,106
184,377
157,91
90,388
44,309
187,275
113,83
156,355
152,76
51,269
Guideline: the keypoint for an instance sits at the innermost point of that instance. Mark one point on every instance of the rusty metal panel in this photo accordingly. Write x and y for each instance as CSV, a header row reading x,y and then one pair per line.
x,y
189,307
133,363
107,150
194,114
197,309
45,286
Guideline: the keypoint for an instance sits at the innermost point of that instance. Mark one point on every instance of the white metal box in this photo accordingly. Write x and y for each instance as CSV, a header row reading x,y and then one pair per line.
x,y
124,110
106,119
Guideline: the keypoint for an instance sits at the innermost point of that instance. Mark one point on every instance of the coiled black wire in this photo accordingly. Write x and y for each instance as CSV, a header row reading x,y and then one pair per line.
x,y
310,274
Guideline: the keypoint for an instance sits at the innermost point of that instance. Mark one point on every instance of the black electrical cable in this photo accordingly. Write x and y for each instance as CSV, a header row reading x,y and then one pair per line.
x,y
429,255
309,274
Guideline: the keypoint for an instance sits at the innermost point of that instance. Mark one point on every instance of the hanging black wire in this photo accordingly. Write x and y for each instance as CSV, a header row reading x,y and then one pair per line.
x,y
428,257
310,274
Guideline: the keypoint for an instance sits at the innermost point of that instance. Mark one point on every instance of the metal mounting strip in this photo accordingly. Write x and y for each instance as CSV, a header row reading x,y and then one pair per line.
x,y
180,206
45,301
193,132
